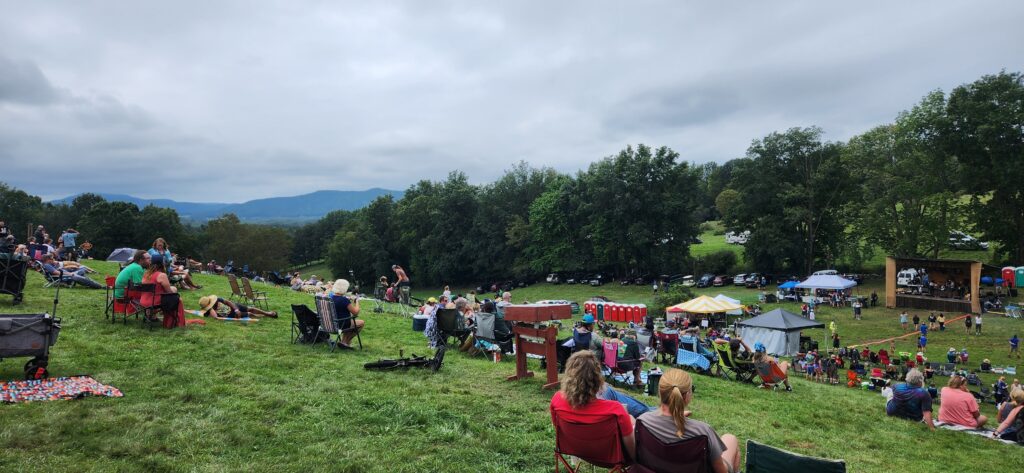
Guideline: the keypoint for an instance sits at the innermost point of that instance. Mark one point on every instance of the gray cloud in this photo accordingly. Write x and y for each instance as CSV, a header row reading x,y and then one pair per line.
x,y
230,101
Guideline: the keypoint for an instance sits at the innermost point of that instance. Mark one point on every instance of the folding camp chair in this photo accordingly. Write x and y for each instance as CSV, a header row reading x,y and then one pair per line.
x,y
852,380
451,324
254,297
492,335
236,292
668,344
743,371
610,349
304,324
655,456
595,439
135,292
54,281
331,324
771,375
13,274
764,459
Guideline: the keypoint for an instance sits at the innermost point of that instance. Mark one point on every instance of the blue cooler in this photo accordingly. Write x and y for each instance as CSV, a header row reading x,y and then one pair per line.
x,y
419,322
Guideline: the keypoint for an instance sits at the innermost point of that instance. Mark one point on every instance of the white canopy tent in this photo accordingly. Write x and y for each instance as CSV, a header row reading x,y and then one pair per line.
x,y
828,282
725,298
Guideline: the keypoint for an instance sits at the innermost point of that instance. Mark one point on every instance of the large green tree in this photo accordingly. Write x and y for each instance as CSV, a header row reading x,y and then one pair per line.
x,y
987,136
906,178
793,186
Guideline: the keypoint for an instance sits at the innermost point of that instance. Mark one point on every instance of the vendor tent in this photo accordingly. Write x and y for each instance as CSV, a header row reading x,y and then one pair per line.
x,y
121,255
788,285
725,298
829,282
703,305
777,330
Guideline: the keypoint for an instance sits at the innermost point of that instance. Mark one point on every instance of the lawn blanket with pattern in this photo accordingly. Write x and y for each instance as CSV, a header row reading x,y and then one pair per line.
x,y
50,389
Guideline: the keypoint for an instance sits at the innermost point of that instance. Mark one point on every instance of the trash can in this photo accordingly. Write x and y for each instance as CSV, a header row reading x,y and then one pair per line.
x,y
653,380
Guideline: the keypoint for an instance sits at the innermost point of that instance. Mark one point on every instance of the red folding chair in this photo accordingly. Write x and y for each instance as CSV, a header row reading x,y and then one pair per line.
x,y
655,456
595,439
110,296
771,374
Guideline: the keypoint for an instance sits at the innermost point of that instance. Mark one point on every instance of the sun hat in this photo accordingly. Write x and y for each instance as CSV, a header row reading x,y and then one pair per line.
x,y
432,300
760,347
588,319
340,286
207,302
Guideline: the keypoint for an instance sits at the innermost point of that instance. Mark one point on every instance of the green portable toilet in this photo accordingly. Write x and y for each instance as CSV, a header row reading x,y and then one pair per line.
x,y
1020,276
600,310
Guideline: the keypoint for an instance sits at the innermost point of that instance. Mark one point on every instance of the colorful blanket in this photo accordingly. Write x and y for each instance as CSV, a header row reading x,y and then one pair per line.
x,y
74,387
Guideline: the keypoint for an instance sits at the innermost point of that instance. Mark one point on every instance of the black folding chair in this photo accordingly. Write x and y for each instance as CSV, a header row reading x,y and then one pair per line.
x,y
655,456
331,324
764,459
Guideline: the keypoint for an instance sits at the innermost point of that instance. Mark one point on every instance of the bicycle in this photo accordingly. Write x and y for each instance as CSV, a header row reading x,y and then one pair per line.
x,y
402,362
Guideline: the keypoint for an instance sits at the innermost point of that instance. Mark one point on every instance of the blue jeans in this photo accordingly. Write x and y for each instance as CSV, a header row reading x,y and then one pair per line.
x,y
634,407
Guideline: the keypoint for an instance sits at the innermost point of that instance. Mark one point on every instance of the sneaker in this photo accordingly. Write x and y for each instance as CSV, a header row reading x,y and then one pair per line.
x,y
272,315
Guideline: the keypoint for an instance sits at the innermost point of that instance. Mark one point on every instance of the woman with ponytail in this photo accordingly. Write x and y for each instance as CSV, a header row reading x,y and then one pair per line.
x,y
671,422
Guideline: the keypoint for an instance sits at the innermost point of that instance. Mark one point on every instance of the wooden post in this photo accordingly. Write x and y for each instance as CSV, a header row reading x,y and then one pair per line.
x,y
547,349
890,282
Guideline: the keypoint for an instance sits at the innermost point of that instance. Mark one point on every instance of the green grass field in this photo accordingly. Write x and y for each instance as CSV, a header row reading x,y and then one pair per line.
x,y
228,397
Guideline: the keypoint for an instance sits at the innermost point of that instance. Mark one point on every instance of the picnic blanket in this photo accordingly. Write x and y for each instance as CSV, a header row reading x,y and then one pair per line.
x,y
689,358
230,319
983,432
50,389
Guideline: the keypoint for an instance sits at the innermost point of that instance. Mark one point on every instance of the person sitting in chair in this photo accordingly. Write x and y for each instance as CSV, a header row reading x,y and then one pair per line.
x,y
131,273
213,306
165,295
1007,430
578,395
911,401
50,267
769,366
734,347
672,422
959,407
346,309
583,338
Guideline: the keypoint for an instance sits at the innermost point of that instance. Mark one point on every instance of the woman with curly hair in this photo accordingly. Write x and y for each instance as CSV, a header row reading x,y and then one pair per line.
x,y
577,400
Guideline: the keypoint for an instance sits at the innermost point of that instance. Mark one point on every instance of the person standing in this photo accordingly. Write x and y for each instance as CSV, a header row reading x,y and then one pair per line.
x,y
68,239
1014,346
968,321
856,309
977,324
40,234
654,286
917,320
874,298
942,322
402,283
903,320
931,321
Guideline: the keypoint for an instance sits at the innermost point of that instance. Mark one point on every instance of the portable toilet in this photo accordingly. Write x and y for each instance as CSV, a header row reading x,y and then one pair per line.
x,y
616,314
1020,276
599,311
629,314
588,308
1008,276
643,311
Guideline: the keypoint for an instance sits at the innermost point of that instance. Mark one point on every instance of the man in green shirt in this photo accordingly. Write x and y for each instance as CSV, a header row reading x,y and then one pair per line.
x,y
133,272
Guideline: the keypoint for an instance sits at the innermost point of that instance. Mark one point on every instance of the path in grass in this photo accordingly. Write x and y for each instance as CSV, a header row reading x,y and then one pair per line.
x,y
230,397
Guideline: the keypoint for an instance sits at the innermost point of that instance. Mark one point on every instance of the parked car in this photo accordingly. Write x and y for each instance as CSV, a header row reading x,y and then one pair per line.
x,y
909,277
706,280
596,280
963,241
826,272
553,278
737,238
721,281
688,281
752,280
740,279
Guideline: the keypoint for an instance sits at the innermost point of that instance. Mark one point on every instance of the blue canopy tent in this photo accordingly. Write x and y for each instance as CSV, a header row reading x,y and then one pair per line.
x,y
788,285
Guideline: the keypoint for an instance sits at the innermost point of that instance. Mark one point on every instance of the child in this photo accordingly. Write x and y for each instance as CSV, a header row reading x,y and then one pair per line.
x,y
922,343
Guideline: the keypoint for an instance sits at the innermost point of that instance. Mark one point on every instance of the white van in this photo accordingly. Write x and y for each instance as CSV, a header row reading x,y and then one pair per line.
x,y
740,238
908,277
826,272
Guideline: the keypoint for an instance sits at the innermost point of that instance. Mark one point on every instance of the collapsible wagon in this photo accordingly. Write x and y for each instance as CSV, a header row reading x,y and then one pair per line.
x,y
29,335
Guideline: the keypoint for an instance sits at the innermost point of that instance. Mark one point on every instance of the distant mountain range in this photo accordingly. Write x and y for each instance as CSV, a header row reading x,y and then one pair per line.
x,y
294,209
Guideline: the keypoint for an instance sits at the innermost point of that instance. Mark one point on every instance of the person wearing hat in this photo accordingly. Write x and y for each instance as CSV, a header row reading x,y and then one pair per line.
x,y
583,338
346,309
213,306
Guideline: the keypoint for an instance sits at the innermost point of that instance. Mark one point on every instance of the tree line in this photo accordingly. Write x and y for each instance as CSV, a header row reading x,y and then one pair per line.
x,y
110,225
951,162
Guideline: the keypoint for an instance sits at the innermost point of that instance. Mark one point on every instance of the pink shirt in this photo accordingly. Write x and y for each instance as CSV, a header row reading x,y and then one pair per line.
x,y
958,407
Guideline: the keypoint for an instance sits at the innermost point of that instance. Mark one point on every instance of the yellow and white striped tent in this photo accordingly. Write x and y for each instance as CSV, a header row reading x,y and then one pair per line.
x,y
704,305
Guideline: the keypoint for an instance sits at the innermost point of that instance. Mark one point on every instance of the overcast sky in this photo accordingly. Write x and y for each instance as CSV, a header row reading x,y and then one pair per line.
x,y
230,101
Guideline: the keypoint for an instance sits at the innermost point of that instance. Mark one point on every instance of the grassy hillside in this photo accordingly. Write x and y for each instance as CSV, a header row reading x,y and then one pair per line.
x,y
231,397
